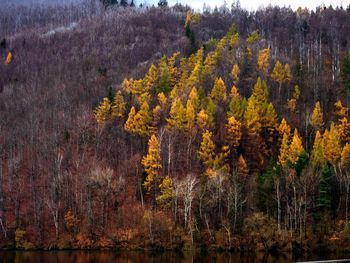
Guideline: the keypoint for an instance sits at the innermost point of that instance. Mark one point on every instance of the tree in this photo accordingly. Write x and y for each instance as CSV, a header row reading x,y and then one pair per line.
x,y
119,105
219,91
331,142
139,122
9,58
124,3
233,131
152,163
317,154
190,115
281,75
104,112
206,151
263,60
317,117
211,111
151,78
163,3
130,124
345,73
283,156
235,73
236,106
177,114
202,119
296,148
166,191
284,128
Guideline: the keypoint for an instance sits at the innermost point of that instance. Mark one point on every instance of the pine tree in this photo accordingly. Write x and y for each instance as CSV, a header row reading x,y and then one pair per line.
x,y
345,72
152,163
206,151
124,3
164,77
163,3
324,199
263,60
219,91
234,133
317,117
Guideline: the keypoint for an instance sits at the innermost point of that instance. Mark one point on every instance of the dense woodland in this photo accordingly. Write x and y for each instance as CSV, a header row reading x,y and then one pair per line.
x,y
162,128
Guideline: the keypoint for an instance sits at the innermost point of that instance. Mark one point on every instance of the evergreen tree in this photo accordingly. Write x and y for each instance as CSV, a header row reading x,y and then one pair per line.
x,y
345,72
124,3
163,3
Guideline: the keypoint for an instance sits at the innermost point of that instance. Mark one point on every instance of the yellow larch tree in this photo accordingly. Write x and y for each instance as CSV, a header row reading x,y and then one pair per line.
x,y
332,147
193,97
177,114
166,191
202,119
173,71
296,148
235,73
152,163
119,105
316,119
234,133
206,151
236,108
281,75
190,115
151,78
317,154
9,58
103,112
284,128
263,60
130,124
345,155
283,156
340,110
219,91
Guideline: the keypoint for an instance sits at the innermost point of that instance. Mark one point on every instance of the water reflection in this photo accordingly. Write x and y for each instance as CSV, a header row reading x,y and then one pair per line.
x,y
138,257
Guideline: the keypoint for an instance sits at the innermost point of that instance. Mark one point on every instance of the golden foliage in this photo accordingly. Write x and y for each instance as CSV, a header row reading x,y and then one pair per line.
x,y
317,117
234,133
152,162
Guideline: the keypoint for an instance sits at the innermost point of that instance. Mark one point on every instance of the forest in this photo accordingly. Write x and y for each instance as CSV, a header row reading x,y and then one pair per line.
x,y
162,128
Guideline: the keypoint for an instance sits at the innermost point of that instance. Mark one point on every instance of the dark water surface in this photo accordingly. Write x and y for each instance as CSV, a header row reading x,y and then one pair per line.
x,y
141,257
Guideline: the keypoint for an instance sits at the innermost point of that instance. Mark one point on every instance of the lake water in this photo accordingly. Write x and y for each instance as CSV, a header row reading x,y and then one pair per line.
x,y
142,257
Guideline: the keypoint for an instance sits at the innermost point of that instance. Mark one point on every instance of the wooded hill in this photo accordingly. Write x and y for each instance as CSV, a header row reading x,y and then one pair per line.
x,y
163,128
